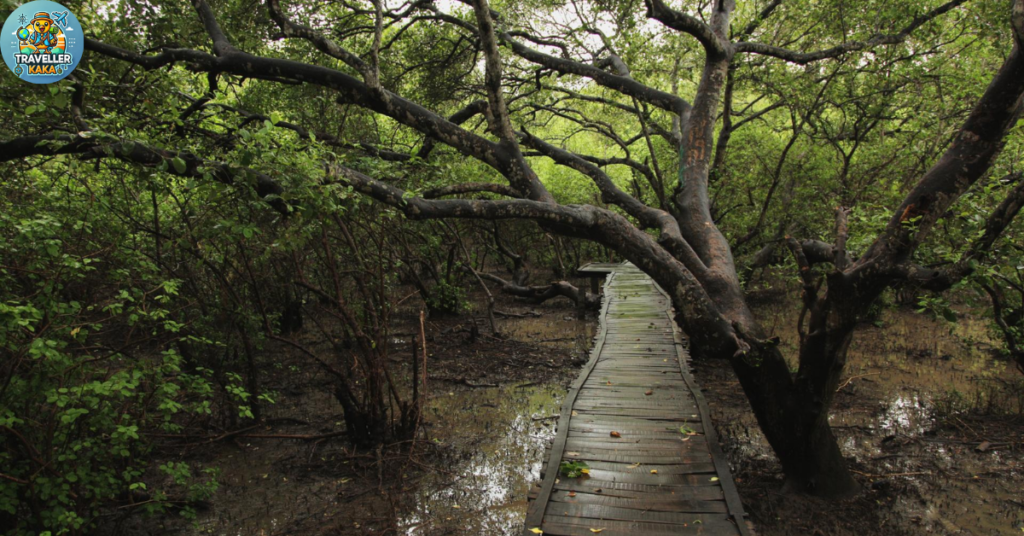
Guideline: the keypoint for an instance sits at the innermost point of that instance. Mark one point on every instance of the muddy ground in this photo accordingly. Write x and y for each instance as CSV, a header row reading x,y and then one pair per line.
x,y
918,404
491,413
930,421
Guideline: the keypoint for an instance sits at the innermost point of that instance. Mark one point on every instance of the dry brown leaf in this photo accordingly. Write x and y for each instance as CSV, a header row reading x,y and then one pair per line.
x,y
615,434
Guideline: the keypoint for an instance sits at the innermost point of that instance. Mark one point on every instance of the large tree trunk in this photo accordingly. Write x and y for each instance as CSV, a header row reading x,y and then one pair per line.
x,y
791,410
813,462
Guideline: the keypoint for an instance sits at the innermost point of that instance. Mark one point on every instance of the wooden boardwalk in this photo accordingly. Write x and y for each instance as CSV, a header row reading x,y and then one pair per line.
x,y
640,423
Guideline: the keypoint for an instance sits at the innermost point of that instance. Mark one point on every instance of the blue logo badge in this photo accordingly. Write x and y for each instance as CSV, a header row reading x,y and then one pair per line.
x,y
42,42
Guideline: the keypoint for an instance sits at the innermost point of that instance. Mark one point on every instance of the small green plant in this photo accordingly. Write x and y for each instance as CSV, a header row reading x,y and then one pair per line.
x,y
686,430
937,306
573,469
953,402
448,298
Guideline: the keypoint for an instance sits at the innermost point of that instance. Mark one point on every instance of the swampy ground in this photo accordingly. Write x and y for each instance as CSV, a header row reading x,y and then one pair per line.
x,y
919,402
492,410
930,421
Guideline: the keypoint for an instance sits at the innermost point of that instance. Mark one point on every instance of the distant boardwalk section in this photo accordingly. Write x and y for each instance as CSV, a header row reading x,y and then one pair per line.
x,y
641,426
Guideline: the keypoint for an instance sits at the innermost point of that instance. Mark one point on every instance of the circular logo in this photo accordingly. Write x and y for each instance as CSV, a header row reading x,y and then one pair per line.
x,y
42,42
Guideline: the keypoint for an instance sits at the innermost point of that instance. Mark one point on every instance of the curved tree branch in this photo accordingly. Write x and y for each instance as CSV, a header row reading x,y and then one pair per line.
x,y
178,163
849,46
471,187
689,24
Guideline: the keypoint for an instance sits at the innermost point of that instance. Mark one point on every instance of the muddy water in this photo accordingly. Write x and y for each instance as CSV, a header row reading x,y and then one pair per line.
x,y
485,447
502,435
489,444
908,381
499,437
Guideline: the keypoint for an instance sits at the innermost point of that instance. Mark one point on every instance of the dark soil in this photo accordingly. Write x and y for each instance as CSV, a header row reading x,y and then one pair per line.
x,y
492,403
918,404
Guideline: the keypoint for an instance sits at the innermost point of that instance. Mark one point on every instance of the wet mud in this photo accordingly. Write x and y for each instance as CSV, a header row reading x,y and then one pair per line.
x,y
490,417
925,414
918,399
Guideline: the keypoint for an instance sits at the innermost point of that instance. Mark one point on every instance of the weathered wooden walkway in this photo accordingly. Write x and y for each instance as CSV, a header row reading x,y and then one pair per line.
x,y
640,423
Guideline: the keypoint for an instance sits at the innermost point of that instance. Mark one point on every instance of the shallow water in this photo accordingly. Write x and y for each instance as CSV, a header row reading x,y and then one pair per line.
x,y
908,376
486,448
506,431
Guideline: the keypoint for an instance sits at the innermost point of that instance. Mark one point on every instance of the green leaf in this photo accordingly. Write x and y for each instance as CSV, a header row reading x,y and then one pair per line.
x,y
179,164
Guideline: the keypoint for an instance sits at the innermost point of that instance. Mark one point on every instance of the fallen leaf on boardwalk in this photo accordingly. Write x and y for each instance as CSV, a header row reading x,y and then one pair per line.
x,y
649,392
595,531
585,471
654,471
609,383
572,453
598,490
615,434
572,493
574,414
535,530
714,479
635,465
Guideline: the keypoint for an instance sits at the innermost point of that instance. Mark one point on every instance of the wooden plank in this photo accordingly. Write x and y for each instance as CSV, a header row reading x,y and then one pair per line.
x,y
638,349
621,462
658,503
659,479
627,429
655,444
562,526
602,268
637,394
634,437
658,414
638,437
628,489
611,513
675,406
676,466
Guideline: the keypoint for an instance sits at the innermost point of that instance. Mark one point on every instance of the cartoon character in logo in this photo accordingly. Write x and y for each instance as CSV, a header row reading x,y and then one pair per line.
x,y
41,41
42,36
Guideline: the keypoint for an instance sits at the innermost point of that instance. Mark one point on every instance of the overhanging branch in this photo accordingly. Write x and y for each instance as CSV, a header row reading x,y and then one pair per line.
x,y
849,46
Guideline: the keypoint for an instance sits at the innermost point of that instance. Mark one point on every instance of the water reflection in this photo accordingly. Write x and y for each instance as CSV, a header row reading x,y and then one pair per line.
x,y
485,492
910,377
905,414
